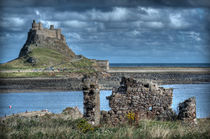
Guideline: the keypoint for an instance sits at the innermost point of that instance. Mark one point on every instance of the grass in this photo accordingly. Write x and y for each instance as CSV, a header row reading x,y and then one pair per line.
x,y
49,126
45,59
24,74
42,74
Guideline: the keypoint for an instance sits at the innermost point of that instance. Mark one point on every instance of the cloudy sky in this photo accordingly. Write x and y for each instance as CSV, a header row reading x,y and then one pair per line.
x,y
131,31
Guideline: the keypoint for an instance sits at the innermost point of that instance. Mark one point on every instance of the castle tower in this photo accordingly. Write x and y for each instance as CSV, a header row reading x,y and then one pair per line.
x,y
34,25
40,26
51,27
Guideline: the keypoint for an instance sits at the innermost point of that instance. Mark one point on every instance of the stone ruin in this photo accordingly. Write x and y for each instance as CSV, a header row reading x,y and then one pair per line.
x,y
91,93
144,100
187,110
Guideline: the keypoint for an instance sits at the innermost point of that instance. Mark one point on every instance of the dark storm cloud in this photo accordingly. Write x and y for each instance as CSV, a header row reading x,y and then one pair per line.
x,y
107,3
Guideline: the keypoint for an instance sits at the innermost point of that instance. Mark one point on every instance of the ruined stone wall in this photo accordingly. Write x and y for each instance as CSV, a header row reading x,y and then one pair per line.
x,y
146,100
187,110
91,94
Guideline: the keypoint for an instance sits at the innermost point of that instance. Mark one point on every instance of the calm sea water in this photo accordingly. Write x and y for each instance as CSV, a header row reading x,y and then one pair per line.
x,y
57,101
201,65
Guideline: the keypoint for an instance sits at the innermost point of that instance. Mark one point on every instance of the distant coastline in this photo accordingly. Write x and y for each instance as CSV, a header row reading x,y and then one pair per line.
x,y
156,75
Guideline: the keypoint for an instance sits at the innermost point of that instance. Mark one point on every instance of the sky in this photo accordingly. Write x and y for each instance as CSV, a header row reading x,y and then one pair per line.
x,y
121,31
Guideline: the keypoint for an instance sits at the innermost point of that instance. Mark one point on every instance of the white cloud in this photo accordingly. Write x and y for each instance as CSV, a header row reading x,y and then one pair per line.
x,y
195,35
70,15
75,24
149,14
149,11
74,36
37,12
12,23
154,25
17,21
117,14
177,21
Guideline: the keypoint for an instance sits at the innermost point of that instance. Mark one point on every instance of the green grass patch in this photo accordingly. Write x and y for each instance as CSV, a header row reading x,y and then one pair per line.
x,y
46,59
49,126
24,74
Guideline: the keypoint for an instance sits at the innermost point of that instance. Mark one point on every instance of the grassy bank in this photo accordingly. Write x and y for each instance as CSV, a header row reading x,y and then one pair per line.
x,y
48,60
51,126
43,74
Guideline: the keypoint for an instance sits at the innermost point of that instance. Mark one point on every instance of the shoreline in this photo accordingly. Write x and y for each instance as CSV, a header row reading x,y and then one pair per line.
x,y
160,76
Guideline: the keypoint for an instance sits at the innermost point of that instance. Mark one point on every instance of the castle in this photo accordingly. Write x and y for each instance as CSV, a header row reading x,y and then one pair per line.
x,y
53,39
43,33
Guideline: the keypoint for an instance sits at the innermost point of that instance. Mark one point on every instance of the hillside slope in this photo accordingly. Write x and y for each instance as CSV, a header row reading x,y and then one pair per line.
x,y
47,49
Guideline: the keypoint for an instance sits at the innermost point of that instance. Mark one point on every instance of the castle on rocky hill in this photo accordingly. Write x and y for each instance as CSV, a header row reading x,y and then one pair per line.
x,y
47,38
43,33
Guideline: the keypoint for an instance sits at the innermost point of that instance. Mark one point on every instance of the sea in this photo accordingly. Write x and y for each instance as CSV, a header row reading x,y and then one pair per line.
x,y
57,101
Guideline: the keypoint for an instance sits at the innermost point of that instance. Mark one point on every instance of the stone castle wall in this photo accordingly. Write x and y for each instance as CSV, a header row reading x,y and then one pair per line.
x,y
145,100
43,33
55,33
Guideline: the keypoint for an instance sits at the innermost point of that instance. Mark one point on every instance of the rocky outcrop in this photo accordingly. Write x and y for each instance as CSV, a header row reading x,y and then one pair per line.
x,y
72,113
144,100
45,38
187,110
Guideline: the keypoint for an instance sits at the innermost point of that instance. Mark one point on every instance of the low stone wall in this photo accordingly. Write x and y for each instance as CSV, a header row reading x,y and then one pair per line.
x,y
108,82
144,100
36,84
156,77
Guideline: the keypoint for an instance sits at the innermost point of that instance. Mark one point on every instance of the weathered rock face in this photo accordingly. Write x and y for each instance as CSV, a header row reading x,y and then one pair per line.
x,y
146,100
187,110
91,94
47,38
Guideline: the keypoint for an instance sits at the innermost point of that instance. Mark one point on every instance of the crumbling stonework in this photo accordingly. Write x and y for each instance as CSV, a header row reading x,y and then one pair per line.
x,y
91,94
187,110
146,100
